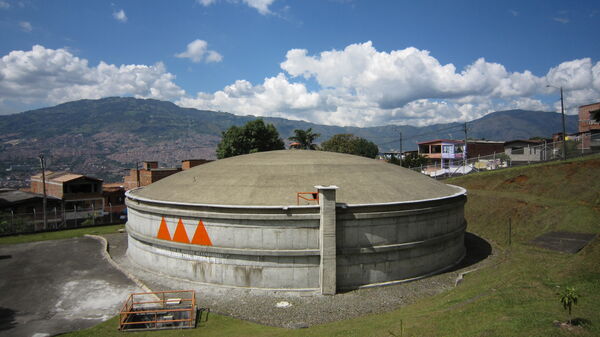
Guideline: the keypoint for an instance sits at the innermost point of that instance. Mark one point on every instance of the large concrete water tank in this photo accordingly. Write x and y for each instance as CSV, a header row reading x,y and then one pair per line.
x,y
236,223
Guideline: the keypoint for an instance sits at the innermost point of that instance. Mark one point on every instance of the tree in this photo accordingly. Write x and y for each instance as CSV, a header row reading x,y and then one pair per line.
x,y
349,143
394,160
568,297
254,136
305,138
504,158
414,159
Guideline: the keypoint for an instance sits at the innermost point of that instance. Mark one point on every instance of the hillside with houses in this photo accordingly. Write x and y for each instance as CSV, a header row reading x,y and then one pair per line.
x,y
107,137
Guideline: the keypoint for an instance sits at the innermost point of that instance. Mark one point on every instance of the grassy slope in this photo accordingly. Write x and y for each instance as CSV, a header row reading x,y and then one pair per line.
x,y
515,297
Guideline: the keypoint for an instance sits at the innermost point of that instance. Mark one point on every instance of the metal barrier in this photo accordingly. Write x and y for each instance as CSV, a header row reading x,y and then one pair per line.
x,y
12,223
159,310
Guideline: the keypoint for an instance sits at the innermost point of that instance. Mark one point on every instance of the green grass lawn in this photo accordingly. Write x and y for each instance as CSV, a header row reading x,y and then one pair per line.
x,y
65,234
515,296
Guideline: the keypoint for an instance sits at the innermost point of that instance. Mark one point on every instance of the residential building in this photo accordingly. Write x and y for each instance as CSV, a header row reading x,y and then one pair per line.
x,y
442,152
80,194
589,128
525,151
20,202
189,163
114,197
18,207
446,155
482,148
150,172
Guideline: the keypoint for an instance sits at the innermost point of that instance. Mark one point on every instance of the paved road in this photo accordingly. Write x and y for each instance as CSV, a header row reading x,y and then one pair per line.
x,y
51,287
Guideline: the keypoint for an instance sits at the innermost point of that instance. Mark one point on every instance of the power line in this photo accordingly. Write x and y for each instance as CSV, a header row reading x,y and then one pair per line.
x,y
457,128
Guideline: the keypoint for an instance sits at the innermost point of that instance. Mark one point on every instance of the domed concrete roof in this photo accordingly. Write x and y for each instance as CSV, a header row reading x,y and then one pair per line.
x,y
273,179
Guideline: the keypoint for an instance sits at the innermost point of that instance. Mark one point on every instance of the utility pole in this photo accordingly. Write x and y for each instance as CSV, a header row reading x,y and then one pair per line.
x,y
137,172
43,165
400,148
465,150
562,111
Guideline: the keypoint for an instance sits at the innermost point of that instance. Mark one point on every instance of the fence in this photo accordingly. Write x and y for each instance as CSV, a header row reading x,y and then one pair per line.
x,y
581,145
57,219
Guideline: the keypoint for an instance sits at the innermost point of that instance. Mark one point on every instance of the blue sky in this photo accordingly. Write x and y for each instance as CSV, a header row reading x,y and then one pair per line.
x,y
340,62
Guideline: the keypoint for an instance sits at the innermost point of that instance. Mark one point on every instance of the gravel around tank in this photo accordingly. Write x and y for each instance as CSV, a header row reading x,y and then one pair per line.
x,y
298,311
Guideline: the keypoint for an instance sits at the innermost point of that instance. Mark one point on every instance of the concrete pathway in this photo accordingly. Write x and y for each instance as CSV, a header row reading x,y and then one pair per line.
x,y
52,287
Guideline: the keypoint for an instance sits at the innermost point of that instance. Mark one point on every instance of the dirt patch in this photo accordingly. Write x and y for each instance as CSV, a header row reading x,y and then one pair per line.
x,y
520,179
522,203
574,168
576,326
591,163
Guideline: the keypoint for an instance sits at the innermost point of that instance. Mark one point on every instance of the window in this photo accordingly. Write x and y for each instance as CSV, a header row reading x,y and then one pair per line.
x,y
79,188
517,150
448,149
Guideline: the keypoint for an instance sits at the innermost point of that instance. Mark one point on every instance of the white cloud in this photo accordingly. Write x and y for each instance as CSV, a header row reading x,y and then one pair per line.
x,y
561,20
362,86
358,85
197,51
528,103
262,6
393,79
25,26
4,5
275,97
43,75
120,16
580,80
573,75
213,56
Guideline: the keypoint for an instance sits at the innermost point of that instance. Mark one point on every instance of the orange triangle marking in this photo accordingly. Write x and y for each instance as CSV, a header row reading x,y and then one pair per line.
x,y
201,236
180,234
163,231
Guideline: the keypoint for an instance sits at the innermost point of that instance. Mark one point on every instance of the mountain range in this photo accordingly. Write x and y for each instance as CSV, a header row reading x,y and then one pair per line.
x,y
105,137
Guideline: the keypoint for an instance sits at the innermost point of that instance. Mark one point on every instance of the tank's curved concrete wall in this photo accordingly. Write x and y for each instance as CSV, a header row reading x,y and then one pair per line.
x,y
396,243
278,247
250,247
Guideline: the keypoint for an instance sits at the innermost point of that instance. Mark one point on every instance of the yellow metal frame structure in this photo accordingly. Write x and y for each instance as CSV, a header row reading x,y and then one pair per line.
x,y
168,310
